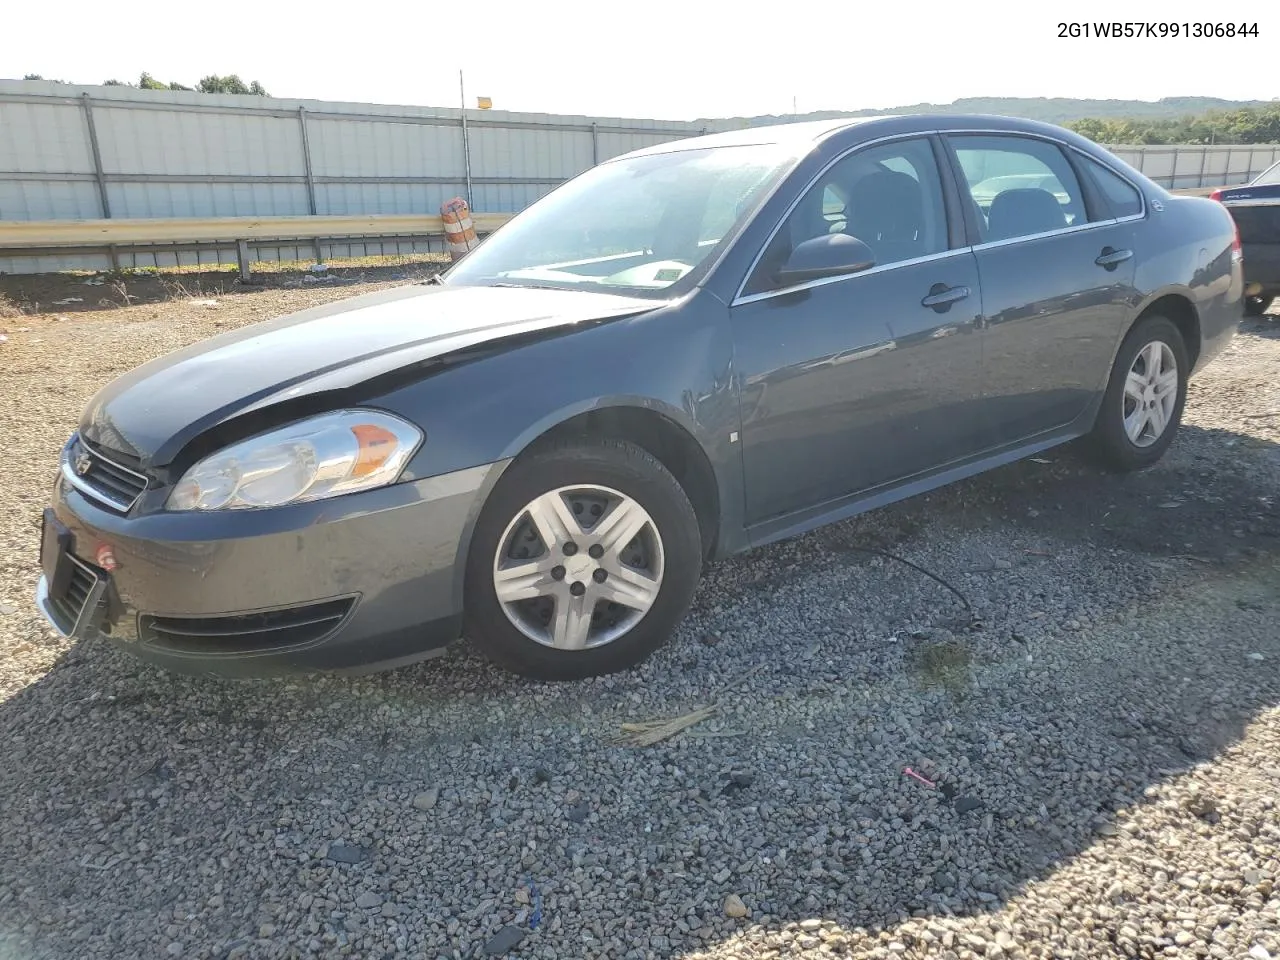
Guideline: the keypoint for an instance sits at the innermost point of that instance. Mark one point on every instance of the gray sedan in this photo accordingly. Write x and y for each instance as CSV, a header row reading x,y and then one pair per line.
x,y
684,352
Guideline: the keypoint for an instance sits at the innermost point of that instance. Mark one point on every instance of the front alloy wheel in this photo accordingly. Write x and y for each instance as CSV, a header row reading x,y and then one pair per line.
x,y
585,557
578,567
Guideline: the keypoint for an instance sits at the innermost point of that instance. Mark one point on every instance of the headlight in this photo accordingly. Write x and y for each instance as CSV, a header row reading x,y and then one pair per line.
x,y
312,459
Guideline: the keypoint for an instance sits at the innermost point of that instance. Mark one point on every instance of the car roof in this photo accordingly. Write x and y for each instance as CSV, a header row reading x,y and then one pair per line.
x,y
802,132
806,133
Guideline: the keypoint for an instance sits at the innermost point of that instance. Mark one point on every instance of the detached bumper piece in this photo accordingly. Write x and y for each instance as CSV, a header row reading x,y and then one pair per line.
x,y
70,593
267,631
78,607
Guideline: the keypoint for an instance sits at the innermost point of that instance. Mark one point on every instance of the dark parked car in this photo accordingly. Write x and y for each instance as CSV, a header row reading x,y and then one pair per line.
x,y
685,352
1255,208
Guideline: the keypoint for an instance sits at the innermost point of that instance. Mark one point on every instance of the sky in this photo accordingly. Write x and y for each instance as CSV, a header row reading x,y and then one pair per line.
x,y
664,59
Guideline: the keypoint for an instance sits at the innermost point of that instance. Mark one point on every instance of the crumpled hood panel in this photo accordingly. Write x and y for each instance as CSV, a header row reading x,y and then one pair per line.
x,y
156,409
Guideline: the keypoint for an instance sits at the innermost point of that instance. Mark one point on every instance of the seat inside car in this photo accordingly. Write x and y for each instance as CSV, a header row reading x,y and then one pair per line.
x,y
1023,211
886,212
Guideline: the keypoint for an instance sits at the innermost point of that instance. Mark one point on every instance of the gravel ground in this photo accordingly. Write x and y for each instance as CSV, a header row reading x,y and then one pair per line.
x,y
1100,734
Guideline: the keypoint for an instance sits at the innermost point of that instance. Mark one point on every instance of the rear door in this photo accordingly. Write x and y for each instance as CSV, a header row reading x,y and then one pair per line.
x,y
1057,269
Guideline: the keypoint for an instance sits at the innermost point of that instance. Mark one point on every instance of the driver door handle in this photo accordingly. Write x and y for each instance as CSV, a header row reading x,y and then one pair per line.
x,y
941,297
1110,258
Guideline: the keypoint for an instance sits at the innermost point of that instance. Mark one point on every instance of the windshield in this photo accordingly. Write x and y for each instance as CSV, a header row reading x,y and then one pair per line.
x,y
1269,176
637,226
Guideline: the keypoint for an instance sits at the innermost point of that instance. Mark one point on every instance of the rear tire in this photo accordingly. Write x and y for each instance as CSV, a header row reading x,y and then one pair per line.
x,y
596,550
1257,306
1142,407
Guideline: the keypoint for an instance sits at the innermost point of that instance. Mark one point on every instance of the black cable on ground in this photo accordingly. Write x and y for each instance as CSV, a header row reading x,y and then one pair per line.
x,y
914,566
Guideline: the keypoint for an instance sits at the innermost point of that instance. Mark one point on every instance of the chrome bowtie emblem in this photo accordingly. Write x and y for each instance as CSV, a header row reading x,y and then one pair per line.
x,y
83,464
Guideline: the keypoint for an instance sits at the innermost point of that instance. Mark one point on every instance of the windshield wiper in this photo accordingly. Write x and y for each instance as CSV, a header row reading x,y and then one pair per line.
x,y
435,279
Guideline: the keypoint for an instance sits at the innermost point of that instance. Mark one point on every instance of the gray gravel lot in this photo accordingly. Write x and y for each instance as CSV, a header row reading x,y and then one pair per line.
x,y
1101,734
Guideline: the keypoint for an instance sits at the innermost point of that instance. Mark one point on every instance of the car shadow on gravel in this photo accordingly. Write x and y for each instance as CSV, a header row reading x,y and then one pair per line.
x,y
1122,631
1213,498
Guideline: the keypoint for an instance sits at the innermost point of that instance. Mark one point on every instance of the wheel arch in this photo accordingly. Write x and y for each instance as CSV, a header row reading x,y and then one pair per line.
x,y
1178,305
665,432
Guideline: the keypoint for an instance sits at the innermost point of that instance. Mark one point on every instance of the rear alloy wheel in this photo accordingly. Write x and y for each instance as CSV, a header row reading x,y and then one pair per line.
x,y
1142,407
584,560
1151,392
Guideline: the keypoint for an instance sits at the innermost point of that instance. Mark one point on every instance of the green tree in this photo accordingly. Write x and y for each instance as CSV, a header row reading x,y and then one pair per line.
x,y
230,84
1096,129
213,83
1239,125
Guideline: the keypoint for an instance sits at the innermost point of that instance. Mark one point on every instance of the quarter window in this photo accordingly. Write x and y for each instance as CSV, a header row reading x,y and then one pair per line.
x,y
1122,198
1019,186
887,196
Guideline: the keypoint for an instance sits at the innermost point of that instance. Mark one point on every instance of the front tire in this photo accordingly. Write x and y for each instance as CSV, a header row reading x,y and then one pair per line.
x,y
583,561
1142,407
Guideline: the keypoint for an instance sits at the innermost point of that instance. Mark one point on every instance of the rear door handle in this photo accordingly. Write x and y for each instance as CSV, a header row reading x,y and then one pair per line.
x,y
941,297
1110,258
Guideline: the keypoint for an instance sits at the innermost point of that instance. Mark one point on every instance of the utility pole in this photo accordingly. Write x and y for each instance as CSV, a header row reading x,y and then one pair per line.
x,y
466,139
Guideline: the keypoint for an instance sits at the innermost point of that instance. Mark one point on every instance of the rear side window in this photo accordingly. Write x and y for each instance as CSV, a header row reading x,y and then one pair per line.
x,y
1018,186
1123,199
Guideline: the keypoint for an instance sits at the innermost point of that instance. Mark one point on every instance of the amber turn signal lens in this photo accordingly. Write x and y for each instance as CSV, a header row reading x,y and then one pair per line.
x,y
376,445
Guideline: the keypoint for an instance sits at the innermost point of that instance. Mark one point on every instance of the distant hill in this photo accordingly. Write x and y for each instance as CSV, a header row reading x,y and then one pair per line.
x,y
1049,109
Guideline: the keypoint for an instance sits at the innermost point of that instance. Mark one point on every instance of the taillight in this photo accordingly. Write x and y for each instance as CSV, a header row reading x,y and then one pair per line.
x,y
1237,251
1216,194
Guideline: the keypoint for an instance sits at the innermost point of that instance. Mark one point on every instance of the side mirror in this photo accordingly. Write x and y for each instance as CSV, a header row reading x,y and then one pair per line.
x,y
830,255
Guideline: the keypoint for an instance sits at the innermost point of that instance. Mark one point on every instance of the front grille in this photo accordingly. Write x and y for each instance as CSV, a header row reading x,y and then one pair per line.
x,y
245,632
102,478
83,587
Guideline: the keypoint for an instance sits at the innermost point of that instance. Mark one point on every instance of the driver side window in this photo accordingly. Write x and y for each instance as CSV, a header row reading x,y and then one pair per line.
x,y
888,196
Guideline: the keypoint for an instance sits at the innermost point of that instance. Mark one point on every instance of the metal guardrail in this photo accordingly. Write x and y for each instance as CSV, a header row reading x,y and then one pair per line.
x,y
45,234
43,237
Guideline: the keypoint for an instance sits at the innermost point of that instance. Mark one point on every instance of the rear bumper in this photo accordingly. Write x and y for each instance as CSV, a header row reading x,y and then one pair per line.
x,y
384,568
1262,264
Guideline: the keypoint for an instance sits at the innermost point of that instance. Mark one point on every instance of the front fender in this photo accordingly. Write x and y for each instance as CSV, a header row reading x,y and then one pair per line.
x,y
683,418
676,361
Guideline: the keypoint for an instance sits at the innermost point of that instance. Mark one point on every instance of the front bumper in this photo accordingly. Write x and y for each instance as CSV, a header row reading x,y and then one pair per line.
x,y
361,582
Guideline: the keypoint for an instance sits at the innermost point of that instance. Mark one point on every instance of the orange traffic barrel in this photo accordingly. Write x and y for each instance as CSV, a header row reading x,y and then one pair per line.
x,y
459,231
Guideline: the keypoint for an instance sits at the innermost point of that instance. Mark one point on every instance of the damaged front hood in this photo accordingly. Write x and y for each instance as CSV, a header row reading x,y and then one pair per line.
x,y
152,412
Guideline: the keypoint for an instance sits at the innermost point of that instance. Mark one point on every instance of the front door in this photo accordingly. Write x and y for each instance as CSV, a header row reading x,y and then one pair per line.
x,y
851,382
